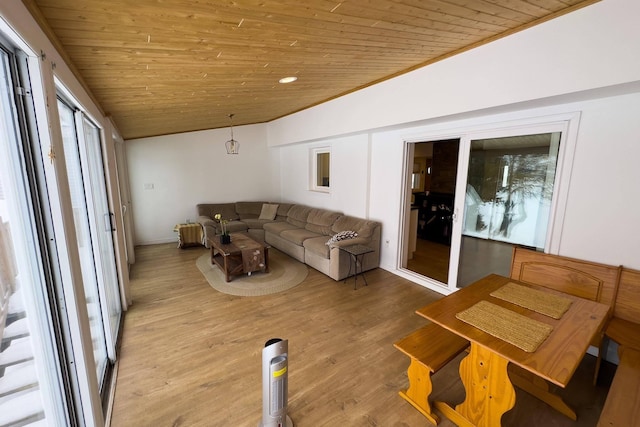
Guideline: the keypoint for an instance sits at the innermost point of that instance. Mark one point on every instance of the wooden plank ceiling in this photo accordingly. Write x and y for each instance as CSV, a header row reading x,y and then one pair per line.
x,y
167,66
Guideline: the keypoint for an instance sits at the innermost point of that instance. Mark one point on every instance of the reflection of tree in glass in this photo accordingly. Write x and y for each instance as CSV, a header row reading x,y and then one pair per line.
x,y
526,178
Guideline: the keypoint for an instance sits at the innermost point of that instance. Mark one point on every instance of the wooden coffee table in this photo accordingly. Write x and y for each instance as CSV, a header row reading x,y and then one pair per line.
x,y
228,257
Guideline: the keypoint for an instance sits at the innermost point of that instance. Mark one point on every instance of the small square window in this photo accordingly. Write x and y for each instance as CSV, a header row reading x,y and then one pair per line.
x,y
320,169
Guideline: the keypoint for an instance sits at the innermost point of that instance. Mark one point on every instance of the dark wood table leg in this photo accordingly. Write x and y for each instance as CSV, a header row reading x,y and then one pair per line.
x,y
226,269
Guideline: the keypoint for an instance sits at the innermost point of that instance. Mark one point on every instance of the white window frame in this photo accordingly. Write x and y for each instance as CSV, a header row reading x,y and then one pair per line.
x,y
313,169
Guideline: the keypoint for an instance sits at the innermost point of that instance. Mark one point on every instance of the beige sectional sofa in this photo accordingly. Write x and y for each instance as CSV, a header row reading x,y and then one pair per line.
x,y
300,231
241,217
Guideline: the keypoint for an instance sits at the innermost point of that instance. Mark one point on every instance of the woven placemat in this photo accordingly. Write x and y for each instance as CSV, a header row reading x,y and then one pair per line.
x,y
526,334
539,301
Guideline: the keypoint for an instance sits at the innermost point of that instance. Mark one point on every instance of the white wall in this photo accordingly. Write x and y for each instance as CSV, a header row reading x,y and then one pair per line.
x,y
601,215
190,168
349,175
603,209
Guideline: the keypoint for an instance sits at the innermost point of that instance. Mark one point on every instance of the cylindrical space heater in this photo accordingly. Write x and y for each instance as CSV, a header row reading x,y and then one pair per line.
x,y
275,384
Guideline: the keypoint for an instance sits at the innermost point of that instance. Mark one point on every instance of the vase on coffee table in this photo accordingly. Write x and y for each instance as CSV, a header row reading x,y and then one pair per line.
x,y
225,239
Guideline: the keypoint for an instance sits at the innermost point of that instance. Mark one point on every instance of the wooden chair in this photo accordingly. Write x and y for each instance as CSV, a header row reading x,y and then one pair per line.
x,y
589,280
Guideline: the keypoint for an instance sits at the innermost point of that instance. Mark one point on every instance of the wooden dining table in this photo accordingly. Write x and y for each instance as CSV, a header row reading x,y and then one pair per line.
x,y
484,371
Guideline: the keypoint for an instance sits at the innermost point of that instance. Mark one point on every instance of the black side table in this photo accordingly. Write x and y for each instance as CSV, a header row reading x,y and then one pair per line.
x,y
356,253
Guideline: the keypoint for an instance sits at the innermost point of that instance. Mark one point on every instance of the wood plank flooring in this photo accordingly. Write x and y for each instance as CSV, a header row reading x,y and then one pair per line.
x,y
430,259
191,356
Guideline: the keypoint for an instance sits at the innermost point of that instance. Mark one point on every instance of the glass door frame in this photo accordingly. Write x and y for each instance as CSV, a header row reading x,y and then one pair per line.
x,y
29,249
111,326
62,269
566,123
92,176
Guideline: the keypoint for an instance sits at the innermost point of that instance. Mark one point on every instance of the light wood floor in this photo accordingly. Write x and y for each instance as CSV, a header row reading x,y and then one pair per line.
x,y
191,356
478,258
431,259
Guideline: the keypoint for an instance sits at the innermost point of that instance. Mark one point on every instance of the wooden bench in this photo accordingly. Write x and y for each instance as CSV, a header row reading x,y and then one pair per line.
x,y
622,407
429,348
624,326
584,279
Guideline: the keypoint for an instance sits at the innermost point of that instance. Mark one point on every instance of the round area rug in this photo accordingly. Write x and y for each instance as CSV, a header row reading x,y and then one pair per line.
x,y
284,273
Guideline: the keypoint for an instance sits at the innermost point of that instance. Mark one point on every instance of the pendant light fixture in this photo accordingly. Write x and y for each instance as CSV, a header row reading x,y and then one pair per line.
x,y
232,145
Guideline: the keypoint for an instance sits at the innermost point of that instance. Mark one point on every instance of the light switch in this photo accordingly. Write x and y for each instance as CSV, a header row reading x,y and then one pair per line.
x,y
148,186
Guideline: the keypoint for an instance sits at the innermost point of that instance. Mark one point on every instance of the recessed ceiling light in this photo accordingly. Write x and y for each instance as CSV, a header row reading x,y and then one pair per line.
x,y
288,79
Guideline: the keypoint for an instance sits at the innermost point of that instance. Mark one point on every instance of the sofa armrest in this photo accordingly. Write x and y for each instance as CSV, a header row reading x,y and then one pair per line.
x,y
209,227
206,220
348,242
340,261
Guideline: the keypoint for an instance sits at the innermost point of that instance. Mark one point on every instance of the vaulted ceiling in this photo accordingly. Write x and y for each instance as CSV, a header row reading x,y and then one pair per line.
x,y
167,66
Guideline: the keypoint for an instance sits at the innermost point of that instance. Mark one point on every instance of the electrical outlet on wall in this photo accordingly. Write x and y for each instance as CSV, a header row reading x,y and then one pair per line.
x,y
148,186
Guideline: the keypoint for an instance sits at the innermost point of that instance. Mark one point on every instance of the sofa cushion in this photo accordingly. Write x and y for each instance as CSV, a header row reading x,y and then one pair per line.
x,y
297,215
363,227
255,222
248,209
298,235
234,226
268,211
226,210
283,210
320,221
318,246
278,227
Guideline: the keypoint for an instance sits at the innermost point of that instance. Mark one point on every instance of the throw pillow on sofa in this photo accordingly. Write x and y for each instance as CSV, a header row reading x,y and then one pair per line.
x,y
268,211
342,235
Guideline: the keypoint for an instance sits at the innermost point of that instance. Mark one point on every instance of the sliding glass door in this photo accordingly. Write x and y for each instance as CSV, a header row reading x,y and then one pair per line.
x,y
102,234
35,383
56,357
488,190
510,184
93,224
